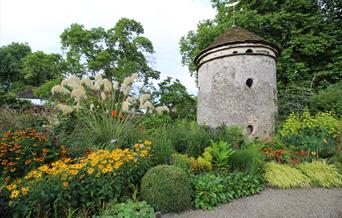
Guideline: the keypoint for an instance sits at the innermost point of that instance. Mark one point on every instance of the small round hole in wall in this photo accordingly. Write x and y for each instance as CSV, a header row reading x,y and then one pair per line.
x,y
249,82
249,51
249,129
235,52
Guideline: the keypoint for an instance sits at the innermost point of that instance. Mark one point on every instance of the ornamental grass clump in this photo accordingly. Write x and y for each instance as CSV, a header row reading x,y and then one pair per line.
x,y
87,182
104,110
321,174
284,176
166,188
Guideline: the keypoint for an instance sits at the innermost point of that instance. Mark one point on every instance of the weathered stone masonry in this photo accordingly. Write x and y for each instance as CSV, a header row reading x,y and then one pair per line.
x,y
237,83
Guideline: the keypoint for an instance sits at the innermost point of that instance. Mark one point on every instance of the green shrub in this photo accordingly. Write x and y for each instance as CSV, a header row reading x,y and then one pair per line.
x,y
129,209
166,188
163,147
314,134
210,191
213,189
10,100
284,176
13,119
328,100
191,164
321,174
337,161
324,121
203,163
231,134
182,161
221,152
44,91
248,160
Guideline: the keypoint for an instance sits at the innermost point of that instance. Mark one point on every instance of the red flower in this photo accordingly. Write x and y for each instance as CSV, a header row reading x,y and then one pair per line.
x,y
114,113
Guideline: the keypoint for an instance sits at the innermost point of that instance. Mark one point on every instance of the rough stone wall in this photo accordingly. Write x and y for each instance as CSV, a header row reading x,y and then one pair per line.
x,y
225,98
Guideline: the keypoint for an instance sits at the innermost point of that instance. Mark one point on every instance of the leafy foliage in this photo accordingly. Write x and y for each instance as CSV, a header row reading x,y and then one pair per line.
x,y
129,209
327,100
314,134
44,91
118,51
11,62
39,67
9,100
221,152
163,148
167,188
249,160
174,95
213,189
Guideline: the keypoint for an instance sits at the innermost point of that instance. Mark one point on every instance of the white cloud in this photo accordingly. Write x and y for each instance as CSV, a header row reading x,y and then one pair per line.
x,y
40,22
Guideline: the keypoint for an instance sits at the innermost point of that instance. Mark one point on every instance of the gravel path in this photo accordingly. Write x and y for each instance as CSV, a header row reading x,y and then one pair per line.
x,y
276,203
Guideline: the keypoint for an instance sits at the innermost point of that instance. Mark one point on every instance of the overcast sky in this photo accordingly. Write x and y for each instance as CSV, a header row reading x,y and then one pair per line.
x,y
40,22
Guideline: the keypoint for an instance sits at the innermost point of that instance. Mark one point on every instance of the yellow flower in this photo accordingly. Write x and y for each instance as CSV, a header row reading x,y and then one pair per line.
x,y
78,166
37,175
147,142
65,184
15,194
11,187
24,190
44,168
143,153
117,164
94,162
313,153
64,176
104,170
73,172
90,171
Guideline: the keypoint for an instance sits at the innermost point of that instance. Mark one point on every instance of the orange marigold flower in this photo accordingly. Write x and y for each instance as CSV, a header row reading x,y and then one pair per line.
x,y
11,187
24,190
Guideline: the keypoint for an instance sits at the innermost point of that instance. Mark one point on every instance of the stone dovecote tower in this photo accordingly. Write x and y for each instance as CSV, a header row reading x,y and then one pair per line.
x,y
237,83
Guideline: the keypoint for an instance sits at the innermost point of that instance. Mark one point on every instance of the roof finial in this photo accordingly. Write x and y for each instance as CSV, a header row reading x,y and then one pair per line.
x,y
233,5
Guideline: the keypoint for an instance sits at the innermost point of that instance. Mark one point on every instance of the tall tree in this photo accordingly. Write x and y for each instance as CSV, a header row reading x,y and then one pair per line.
x,y
40,67
173,94
117,52
309,38
11,65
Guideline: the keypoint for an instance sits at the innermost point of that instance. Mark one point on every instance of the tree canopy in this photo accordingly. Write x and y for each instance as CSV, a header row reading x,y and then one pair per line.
x,y
117,52
11,63
174,95
40,67
308,32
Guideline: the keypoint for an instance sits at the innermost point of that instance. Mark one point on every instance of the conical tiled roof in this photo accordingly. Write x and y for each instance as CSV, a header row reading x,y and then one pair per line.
x,y
234,35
